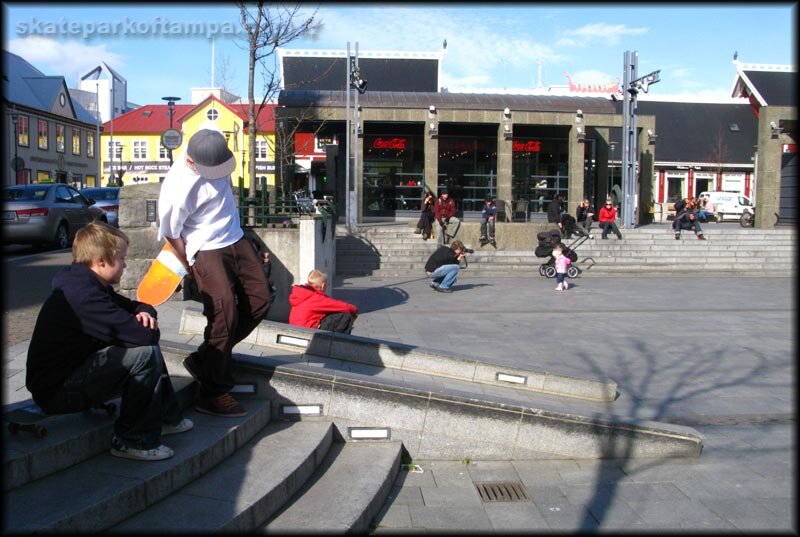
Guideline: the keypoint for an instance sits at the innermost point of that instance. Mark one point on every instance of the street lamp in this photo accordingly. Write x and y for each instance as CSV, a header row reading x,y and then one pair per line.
x,y
171,106
632,85
355,82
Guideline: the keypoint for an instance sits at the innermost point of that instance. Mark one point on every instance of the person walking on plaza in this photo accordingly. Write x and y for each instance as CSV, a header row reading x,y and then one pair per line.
x,y
488,217
91,344
607,220
443,266
312,308
562,263
197,215
444,210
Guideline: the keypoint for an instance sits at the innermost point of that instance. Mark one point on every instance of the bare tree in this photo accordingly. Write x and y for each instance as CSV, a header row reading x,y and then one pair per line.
x,y
267,27
719,155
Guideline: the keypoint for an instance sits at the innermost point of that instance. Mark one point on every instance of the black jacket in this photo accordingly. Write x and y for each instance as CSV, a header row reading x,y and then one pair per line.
x,y
444,255
554,211
81,316
580,213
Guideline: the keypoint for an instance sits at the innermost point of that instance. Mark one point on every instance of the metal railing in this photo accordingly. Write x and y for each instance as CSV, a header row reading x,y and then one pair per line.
x,y
284,210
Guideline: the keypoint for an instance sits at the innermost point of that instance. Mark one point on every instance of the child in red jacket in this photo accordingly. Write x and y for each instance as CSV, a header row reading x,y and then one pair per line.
x,y
312,308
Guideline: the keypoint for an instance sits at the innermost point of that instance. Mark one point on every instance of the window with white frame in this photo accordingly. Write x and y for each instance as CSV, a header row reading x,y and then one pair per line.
x,y
212,114
261,149
140,150
117,155
163,153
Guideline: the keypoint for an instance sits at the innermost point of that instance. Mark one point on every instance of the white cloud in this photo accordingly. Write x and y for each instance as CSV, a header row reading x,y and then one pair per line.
x,y
70,59
598,33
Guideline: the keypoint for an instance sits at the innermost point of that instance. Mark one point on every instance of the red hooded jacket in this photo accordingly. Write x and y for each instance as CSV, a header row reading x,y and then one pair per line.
x,y
310,306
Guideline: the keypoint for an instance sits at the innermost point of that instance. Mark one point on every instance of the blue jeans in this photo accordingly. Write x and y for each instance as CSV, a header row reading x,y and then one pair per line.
x,y
445,276
140,375
484,223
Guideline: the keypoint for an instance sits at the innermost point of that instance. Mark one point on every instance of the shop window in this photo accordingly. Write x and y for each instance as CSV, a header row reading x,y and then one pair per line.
x,y
392,174
61,134
674,188
43,177
44,135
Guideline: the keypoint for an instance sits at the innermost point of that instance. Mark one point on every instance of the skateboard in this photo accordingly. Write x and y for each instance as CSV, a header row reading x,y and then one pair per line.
x,y
27,418
162,278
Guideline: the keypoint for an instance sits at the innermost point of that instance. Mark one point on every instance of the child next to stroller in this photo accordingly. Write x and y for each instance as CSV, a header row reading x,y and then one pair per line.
x,y
547,242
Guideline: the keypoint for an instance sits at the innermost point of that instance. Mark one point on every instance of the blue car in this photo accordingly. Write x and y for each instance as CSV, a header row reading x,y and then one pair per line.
x,y
107,199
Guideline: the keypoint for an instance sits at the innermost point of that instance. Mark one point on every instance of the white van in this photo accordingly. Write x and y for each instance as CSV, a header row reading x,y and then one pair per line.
x,y
727,205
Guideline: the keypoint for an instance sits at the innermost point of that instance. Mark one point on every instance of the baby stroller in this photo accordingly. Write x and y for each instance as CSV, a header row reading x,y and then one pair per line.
x,y
547,241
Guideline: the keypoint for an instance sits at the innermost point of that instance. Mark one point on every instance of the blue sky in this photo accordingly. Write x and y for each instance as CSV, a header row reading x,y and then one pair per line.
x,y
488,45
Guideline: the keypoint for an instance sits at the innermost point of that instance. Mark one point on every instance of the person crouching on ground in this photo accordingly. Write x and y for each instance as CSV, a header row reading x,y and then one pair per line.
x,y
91,344
312,308
443,266
562,262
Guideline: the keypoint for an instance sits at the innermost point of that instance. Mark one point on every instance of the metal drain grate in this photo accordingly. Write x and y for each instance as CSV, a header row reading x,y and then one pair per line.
x,y
502,491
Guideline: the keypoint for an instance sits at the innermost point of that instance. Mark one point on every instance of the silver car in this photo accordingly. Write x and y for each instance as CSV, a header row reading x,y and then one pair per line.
x,y
107,199
45,214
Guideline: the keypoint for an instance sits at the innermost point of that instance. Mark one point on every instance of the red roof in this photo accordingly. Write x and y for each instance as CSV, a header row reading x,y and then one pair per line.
x,y
154,118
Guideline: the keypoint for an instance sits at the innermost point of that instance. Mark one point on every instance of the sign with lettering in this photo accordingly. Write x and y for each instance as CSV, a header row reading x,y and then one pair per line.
x,y
171,139
526,146
389,143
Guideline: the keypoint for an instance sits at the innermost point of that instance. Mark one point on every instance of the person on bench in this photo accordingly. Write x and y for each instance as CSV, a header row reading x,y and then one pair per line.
x,y
312,308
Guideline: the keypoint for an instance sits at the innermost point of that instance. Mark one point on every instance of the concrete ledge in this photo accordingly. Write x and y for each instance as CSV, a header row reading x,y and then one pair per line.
x,y
410,358
445,426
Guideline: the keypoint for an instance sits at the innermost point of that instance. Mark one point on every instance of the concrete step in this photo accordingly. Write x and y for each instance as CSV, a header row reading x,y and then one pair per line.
x,y
71,439
246,489
103,490
358,475
315,344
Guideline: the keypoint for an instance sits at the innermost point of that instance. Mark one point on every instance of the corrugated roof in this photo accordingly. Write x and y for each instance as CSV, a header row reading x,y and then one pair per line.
x,y
698,132
459,101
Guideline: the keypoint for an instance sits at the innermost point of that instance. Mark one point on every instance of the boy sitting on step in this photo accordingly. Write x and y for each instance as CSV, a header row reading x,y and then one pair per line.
x,y
312,308
91,344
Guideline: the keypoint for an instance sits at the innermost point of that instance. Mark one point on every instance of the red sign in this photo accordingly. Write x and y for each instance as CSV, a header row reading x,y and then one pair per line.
x,y
389,143
529,146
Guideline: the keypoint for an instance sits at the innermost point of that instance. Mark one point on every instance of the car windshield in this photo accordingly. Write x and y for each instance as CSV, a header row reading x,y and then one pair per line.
x,y
25,194
101,194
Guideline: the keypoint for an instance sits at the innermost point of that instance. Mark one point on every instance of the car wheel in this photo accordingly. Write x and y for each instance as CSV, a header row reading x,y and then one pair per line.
x,y
62,236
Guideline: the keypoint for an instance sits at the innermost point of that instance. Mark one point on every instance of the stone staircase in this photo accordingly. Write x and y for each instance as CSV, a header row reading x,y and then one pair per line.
x,y
258,473
394,250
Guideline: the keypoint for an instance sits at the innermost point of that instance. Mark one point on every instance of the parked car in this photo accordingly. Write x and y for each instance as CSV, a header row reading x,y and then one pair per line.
x,y
107,198
46,213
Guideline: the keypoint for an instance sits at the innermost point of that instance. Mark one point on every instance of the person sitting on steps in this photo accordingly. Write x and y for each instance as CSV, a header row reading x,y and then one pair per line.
x,y
607,220
488,218
312,308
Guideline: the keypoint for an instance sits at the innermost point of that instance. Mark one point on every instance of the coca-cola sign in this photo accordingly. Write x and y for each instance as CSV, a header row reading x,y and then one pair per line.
x,y
527,146
389,143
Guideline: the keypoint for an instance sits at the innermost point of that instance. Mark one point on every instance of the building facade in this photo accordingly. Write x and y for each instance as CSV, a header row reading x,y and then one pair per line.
x,y
133,152
50,136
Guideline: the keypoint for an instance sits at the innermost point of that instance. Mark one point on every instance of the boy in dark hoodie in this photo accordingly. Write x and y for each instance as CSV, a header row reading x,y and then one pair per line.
x,y
312,308
91,344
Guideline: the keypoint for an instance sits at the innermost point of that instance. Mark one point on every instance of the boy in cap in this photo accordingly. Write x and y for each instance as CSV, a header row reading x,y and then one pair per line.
x,y
199,218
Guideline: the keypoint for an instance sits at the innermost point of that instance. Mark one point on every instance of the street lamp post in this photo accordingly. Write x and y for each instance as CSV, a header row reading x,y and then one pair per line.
x,y
630,140
171,106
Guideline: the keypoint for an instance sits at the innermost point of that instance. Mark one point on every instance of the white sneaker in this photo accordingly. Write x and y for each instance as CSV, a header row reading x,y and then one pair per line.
x,y
558,288
118,449
566,286
181,427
